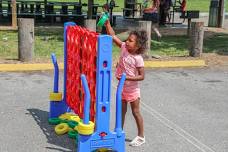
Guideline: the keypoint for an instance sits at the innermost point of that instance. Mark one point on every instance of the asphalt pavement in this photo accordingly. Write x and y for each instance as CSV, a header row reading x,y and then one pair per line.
x,y
178,22
184,110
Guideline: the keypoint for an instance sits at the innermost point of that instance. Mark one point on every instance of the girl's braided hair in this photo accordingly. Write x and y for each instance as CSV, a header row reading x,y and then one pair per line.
x,y
142,39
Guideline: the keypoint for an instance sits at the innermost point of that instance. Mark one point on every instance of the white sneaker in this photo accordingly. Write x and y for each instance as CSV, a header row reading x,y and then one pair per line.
x,y
138,141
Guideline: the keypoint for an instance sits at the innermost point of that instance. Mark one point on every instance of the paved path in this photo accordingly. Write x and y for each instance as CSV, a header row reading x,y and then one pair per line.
x,y
185,110
130,23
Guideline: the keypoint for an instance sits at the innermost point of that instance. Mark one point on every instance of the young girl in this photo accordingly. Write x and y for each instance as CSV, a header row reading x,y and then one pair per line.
x,y
131,63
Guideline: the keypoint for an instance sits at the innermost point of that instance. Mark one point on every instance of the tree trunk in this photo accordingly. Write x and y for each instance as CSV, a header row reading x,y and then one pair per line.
x,y
25,39
196,39
90,24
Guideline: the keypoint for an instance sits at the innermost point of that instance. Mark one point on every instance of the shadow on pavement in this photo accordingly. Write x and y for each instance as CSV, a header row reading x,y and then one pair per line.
x,y
60,143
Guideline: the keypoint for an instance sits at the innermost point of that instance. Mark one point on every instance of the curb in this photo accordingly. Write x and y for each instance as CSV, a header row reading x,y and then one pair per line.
x,y
28,67
148,64
174,64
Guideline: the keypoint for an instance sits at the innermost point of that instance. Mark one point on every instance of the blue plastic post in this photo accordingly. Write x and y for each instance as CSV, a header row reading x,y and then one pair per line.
x,y
65,56
103,88
56,73
103,137
118,127
87,99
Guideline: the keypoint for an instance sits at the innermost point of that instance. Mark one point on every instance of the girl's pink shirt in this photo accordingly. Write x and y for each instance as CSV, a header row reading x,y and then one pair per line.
x,y
128,64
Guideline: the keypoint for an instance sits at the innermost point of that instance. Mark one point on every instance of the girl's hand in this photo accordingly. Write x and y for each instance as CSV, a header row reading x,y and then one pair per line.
x,y
139,77
107,23
118,77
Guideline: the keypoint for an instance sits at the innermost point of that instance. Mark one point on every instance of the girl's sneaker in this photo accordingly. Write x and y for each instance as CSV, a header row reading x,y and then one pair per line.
x,y
138,141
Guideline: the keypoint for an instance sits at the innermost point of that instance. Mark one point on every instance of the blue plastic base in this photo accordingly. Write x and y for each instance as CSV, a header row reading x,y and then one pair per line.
x,y
57,108
95,141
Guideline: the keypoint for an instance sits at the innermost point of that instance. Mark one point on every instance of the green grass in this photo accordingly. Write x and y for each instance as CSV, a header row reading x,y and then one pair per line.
x,y
170,46
48,40
178,45
202,5
217,44
8,43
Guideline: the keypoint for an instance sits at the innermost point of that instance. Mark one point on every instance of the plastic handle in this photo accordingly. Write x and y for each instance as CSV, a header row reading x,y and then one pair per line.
x,y
56,73
118,128
87,99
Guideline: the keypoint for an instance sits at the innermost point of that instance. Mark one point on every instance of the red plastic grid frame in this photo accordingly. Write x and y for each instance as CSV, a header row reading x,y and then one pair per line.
x,y
81,59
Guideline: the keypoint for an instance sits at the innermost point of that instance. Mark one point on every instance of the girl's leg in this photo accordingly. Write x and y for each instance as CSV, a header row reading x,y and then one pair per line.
x,y
124,111
138,117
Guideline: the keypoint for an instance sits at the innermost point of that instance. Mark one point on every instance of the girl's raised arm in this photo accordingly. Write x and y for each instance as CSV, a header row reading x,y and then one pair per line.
x,y
111,32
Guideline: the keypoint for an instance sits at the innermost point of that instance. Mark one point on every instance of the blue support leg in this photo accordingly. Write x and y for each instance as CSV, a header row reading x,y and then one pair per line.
x,y
60,107
57,105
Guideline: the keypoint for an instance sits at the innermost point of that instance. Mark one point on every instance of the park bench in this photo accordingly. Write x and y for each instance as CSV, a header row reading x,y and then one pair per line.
x,y
1,14
191,14
131,8
129,11
3,8
113,21
51,11
30,9
39,10
176,8
25,9
65,11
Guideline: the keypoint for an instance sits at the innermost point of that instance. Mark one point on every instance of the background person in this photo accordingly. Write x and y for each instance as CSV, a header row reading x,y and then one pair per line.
x,y
164,10
150,13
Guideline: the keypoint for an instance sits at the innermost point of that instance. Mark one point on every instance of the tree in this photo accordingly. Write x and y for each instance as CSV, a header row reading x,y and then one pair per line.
x,y
90,9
